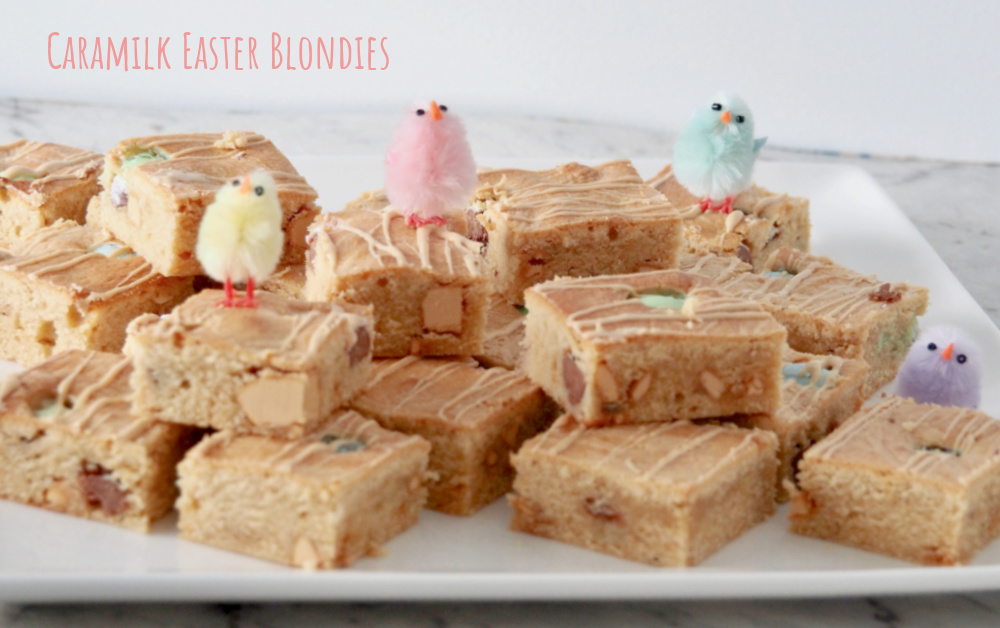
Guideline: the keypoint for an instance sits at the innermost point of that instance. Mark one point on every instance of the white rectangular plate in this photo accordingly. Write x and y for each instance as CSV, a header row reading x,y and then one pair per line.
x,y
52,557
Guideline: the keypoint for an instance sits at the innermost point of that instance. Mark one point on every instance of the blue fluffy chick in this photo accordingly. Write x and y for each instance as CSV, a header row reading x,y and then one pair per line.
x,y
240,237
714,155
944,366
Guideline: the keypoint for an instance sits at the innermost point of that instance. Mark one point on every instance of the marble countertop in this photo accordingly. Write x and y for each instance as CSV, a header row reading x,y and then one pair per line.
x,y
954,206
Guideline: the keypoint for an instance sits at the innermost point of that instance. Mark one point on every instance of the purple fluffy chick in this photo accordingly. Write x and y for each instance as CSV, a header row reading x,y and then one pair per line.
x,y
944,366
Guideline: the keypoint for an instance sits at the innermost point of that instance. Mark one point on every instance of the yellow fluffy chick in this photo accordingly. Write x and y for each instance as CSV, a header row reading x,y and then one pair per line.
x,y
240,237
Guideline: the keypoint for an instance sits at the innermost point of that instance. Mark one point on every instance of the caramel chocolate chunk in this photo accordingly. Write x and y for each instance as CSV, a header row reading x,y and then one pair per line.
x,y
442,310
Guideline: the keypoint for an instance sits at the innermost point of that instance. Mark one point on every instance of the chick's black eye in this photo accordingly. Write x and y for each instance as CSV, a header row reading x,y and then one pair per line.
x,y
420,112
716,107
932,347
443,107
259,190
740,119
236,182
961,358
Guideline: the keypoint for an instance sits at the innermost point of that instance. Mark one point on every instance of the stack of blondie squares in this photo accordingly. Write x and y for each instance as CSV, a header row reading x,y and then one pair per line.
x,y
637,376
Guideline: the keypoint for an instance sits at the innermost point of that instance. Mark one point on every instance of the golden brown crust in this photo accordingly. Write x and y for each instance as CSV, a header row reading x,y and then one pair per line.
x,y
199,163
318,502
156,190
666,494
915,481
570,194
44,169
452,391
942,444
70,442
360,241
473,417
681,455
609,309
79,391
284,333
316,455
83,262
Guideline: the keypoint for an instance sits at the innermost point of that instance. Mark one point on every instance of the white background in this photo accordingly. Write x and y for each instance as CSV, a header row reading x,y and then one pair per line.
x,y
906,78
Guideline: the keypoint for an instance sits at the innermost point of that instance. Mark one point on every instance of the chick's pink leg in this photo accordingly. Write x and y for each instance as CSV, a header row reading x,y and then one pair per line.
x,y
725,207
705,204
414,220
248,301
228,301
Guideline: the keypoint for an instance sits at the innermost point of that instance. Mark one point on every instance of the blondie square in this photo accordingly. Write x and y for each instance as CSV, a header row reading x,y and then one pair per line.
x,y
317,502
654,346
474,418
761,222
828,309
71,287
818,394
280,368
156,189
665,494
572,221
41,183
503,340
69,442
426,284
917,482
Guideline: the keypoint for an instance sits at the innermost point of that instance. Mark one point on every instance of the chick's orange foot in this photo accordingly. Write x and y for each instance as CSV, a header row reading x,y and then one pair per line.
x,y
231,301
725,207
415,221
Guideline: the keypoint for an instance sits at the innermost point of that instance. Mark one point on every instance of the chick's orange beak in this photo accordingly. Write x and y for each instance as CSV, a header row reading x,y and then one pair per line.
x,y
435,111
245,186
946,354
725,117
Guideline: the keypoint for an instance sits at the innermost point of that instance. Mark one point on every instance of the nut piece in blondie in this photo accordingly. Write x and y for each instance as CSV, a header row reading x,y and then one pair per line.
x,y
156,189
69,286
41,183
318,502
655,346
69,442
572,221
280,368
761,221
473,417
918,482
426,284
665,494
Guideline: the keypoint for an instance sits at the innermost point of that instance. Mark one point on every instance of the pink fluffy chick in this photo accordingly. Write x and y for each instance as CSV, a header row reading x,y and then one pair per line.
x,y
429,168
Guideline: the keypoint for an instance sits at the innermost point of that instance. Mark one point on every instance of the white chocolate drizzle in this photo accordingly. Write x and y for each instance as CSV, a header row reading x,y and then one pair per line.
x,y
312,454
390,243
650,451
452,390
952,444
606,308
814,285
191,156
72,164
573,191
296,331
57,251
91,396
